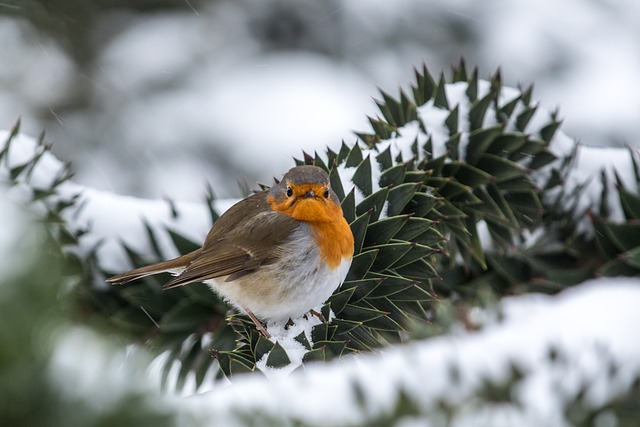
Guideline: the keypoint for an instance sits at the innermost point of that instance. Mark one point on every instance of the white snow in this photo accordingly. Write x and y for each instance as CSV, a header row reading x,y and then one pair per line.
x,y
402,141
23,149
87,367
114,220
590,162
589,327
285,336
103,213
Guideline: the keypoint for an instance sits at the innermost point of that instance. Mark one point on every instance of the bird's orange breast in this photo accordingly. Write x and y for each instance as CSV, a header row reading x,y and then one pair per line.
x,y
331,230
335,241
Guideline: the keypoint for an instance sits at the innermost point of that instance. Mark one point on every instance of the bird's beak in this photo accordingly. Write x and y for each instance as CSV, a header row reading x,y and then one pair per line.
x,y
308,194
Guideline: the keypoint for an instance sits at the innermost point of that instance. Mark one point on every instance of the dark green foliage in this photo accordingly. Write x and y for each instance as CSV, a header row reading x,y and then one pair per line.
x,y
618,243
484,181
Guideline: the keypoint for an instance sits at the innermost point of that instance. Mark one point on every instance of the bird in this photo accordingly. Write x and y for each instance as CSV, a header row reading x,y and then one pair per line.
x,y
274,255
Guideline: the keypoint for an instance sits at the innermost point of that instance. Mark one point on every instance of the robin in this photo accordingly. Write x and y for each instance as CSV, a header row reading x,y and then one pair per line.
x,y
275,255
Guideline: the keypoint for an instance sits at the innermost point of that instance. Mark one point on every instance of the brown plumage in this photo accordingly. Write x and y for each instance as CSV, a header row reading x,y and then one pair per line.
x,y
278,253
242,240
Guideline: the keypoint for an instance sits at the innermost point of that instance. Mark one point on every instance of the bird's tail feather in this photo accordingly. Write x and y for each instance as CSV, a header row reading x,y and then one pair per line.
x,y
172,265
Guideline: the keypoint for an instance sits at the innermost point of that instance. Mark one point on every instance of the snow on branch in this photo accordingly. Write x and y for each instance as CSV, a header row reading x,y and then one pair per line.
x,y
110,220
546,354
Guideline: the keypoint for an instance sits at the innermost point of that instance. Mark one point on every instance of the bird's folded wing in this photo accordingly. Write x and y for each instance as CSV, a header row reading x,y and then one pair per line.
x,y
216,265
242,251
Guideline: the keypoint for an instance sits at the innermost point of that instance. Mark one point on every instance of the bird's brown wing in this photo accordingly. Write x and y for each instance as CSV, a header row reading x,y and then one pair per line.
x,y
248,236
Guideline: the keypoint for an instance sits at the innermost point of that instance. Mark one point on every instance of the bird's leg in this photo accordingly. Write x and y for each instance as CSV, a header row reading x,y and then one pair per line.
x,y
259,324
318,315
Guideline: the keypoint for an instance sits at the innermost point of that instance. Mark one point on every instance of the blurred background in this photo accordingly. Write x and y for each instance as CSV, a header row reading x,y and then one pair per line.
x,y
157,98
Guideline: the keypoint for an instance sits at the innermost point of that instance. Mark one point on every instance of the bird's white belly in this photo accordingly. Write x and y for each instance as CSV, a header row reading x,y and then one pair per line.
x,y
289,288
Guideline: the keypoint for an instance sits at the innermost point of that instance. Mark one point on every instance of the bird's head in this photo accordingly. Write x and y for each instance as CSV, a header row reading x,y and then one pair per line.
x,y
304,194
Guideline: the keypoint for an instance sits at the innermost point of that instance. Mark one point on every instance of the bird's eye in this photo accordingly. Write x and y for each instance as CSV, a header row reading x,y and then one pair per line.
x,y
326,193
289,191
